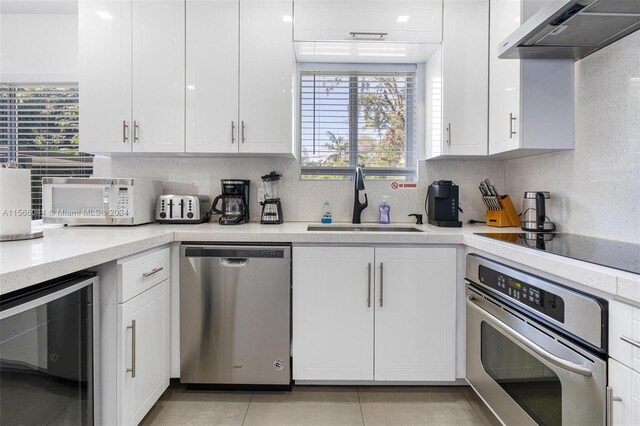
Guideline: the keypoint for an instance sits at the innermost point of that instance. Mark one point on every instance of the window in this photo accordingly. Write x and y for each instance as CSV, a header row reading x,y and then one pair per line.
x,y
39,129
357,118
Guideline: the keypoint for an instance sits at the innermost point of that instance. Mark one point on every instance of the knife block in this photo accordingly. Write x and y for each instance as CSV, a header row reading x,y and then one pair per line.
x,y
505,217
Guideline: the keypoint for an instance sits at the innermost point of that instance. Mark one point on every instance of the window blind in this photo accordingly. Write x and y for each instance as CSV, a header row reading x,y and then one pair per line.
x,y
39,130
357,118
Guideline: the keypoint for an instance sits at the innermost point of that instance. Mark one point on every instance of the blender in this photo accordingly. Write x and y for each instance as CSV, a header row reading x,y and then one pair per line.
x,y
271,207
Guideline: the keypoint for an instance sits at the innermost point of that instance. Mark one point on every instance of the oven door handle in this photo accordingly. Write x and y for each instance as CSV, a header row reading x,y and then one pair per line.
x,y
548,356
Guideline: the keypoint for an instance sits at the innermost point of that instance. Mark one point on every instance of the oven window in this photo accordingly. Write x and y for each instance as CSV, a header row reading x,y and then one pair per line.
x,y
46,363
535,387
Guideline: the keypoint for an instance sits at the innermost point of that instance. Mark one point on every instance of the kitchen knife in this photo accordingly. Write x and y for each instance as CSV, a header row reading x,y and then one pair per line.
x,y
482,190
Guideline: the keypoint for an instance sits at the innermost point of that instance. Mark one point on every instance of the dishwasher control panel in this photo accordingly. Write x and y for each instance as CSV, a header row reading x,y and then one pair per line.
x,y
545,302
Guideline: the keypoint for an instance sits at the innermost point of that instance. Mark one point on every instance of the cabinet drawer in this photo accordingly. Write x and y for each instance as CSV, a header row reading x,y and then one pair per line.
x,y
142,271
624,334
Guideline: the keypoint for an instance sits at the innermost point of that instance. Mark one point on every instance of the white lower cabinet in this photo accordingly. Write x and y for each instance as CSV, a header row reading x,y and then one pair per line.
x,y
365,313
144,352
625,387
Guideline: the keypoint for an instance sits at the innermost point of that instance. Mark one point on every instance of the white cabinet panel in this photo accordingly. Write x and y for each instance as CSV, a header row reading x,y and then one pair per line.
x,y
504,82
145,348
105,75
212,75
401,21
266,77
415,314
625,385
158,41
332,313
624,324
465,77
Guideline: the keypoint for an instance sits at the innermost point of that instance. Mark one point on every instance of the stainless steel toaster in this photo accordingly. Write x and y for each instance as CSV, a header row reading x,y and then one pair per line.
x,y
183,209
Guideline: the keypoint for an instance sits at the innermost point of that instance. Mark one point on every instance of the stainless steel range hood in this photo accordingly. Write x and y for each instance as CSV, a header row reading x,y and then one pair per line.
x,y
572,30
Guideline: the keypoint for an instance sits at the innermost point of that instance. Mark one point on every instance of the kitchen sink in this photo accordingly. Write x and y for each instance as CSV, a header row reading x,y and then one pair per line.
x,y
362,228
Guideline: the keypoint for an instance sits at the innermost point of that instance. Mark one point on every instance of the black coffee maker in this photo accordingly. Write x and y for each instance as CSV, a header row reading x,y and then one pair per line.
x,y
442,204
235,202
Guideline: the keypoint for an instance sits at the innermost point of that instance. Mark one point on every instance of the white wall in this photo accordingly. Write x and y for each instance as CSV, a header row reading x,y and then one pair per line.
x,y
595,189
38,47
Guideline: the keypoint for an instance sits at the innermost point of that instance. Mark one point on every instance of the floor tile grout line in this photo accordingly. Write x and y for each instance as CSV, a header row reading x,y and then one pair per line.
x,y
360,405
244,419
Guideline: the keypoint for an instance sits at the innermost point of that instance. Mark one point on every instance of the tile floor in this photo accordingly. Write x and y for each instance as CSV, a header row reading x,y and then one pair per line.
x,y
323,406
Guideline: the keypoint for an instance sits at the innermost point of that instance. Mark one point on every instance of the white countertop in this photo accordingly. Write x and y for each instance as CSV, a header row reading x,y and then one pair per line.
x,y
69,249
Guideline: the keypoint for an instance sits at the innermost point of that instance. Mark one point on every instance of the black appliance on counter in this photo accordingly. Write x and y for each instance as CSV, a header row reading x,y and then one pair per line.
x,y
235,202
442,204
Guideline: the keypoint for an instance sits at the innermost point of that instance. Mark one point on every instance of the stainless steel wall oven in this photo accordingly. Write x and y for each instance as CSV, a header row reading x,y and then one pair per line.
x,y
536,351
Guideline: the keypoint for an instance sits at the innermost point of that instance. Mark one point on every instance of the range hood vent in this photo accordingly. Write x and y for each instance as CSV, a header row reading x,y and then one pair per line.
x,y
572,30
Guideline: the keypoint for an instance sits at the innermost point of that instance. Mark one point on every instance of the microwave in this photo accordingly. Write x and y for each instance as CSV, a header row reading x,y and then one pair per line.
x,y
97,201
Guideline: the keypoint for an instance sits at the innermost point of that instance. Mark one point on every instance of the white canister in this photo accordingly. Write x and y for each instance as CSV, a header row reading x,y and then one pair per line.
x,y
15,201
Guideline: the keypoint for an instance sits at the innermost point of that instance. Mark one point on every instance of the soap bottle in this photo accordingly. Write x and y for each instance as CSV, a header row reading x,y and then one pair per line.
x,y
385,211
326,213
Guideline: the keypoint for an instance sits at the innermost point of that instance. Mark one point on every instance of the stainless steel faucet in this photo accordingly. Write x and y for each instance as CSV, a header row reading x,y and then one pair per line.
x,y
357,205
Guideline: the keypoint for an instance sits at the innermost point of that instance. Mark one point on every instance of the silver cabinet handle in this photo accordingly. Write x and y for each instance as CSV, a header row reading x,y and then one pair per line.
x,y
548,356
610,400
369,286
243,138
364,35
153,271
449,134
125,130
511,120
381,284
630,341
136,128
132,327
233,132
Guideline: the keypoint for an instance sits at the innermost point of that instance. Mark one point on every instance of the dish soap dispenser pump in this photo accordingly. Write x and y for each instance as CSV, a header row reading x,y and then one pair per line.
x,y
385,211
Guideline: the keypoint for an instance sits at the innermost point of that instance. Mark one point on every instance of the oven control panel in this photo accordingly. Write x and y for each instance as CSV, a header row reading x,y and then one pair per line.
x,y
542,301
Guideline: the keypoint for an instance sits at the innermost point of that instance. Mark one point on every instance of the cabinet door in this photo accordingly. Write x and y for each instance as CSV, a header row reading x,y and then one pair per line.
x,y
465,77
625,386
158,40
333,313
504,79
212,75
105,75
266,76
415,321
144,348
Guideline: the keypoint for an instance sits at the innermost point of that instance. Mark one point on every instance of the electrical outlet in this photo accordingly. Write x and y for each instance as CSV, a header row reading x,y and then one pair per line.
x,y
260,195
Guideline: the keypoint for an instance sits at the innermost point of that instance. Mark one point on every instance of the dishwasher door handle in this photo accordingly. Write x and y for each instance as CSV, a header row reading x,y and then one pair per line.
x,y
232,262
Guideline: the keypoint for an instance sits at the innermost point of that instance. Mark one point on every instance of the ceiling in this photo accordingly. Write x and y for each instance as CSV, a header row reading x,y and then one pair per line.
x,y
39,6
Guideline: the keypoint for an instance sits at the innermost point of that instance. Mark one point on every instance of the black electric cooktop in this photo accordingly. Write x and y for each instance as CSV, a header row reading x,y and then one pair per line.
x,y
613,254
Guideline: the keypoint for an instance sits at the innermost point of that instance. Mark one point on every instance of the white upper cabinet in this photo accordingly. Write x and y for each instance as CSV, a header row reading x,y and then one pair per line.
x,y
266,77
415,21
105,75
531,102
131,76
460,115
239,77
158,75
212,76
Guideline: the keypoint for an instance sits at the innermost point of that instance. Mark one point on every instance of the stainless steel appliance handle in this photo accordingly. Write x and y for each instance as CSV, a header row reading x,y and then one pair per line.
x,y
630,341
369,286
511,120
548,356
233,132
125,129
105,203
136,128
153,271
367,35
381,284
233,262
132,327
243,138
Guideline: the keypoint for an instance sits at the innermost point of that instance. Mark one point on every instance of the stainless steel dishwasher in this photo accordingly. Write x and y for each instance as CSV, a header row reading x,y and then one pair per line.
x,y
235,314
